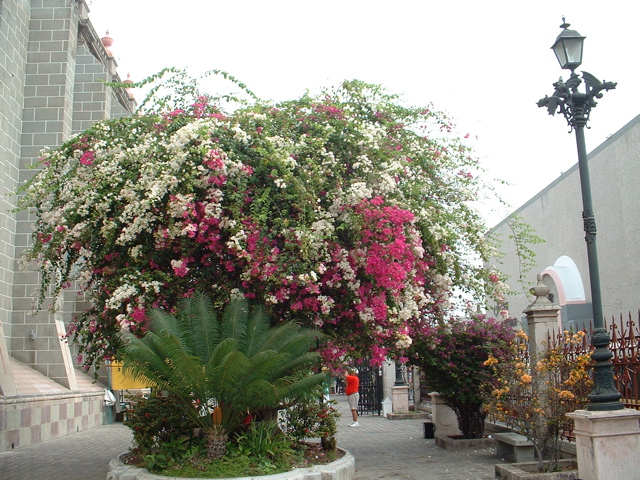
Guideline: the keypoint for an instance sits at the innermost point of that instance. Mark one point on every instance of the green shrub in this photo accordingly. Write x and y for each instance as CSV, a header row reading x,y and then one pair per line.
x,y
159,425
262,439
312,417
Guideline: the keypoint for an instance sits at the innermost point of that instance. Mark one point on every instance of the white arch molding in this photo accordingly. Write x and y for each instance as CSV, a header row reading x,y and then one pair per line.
x,y
567,280
566,283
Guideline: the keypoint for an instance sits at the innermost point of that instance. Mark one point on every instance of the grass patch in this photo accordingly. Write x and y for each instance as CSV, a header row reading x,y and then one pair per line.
x,y
242,465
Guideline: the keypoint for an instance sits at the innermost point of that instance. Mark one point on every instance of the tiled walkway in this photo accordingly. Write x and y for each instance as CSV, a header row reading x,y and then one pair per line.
x,y
383,449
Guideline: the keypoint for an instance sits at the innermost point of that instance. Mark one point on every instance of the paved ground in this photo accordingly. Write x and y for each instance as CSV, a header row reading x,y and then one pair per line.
x,y
383,449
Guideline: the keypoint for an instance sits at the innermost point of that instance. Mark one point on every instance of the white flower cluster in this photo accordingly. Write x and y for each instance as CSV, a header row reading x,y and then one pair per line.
x,y
326,303
240,135
357,192
404,341
179,204
366,315
237,241
120,295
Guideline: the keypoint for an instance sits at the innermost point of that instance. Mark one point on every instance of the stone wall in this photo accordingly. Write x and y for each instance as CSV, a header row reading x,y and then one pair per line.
x,y
53,66
555,215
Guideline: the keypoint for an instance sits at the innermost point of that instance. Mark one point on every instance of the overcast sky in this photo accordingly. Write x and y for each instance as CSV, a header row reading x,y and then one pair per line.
x,y
485,63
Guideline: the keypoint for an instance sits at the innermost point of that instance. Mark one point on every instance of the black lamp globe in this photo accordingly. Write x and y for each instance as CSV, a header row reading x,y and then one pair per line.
x,y
568,48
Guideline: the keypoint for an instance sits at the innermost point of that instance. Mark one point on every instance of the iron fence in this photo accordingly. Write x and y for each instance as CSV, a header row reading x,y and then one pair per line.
x,y
625,347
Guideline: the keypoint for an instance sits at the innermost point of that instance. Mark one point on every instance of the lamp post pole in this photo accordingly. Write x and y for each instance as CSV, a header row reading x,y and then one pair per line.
x,y
576,107
399,377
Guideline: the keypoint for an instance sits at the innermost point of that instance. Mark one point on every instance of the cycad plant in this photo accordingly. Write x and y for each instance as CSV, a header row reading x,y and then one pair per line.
x,y
223,367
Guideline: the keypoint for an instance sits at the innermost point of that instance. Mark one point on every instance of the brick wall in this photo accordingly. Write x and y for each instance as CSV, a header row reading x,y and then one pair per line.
x,y
52,63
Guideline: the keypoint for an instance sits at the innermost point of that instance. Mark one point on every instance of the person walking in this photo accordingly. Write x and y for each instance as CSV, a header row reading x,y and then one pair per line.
x,y
353,395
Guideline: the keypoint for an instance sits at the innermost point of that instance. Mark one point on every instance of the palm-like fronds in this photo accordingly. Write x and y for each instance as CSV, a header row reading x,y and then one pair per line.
x,y
236,360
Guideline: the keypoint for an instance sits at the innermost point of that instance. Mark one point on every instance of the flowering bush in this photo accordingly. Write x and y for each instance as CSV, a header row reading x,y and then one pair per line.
x,y
453,358
156,420
311,417
534,401
346,209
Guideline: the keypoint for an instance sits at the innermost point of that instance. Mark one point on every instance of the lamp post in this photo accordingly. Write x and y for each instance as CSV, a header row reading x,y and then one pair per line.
x,y
576,107
399,376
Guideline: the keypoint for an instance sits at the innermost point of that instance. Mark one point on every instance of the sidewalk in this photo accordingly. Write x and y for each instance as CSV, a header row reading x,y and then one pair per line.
x,y
397,450
383,449
80,456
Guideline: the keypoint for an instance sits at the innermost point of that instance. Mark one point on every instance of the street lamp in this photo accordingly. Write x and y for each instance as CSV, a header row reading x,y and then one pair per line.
x,y
576,107
399,376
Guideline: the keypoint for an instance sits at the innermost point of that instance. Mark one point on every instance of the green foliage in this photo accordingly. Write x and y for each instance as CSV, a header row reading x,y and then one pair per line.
x,y
156,462
312,417
523,237
172,87
157,420
223,367
234,466
262,439
452,358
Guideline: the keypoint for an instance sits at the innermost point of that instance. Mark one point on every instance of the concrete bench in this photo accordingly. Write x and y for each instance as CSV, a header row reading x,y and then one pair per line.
x,y
514,444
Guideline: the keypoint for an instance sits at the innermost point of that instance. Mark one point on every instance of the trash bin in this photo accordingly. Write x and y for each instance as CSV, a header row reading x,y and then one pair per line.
x,y
429,430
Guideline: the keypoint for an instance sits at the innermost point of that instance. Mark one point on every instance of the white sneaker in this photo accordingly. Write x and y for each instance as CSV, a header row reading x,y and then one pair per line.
x,y
355,424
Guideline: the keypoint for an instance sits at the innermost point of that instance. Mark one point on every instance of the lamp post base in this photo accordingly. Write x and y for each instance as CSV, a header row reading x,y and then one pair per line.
x,y
607,444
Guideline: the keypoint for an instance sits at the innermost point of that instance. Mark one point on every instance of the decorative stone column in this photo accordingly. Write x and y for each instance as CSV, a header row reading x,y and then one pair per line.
x,y
400,399
542,317
444,419
607,443
400,392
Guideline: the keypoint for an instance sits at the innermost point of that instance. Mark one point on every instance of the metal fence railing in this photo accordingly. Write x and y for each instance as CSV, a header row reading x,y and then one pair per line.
x,y
625,347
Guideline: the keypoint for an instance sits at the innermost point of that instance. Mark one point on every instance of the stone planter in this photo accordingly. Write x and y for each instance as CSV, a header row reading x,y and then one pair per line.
x,y
459,443
527,471
342,469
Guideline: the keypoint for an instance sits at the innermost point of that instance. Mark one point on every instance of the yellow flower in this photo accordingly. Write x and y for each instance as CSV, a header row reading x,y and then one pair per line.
x,y
490,361
566,395
525,378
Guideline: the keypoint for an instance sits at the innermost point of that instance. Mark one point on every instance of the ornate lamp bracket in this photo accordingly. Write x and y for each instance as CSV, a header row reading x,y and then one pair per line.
x,y
574,105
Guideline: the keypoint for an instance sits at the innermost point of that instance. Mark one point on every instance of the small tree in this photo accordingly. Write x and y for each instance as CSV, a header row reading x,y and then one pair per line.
x,y
534,399
453,358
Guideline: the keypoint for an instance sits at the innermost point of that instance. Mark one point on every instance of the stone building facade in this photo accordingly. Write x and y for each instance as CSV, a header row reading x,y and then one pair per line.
x,y
52,64
555,215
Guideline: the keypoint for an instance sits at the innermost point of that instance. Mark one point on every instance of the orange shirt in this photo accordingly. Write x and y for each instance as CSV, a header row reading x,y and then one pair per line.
x,y
353,383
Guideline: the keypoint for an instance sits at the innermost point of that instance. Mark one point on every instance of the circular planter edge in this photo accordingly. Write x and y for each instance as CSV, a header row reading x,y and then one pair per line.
x,y
341,469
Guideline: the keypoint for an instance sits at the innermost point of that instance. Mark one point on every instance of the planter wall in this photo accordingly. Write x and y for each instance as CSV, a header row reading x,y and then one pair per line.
x,y
525,471
455,443
341,469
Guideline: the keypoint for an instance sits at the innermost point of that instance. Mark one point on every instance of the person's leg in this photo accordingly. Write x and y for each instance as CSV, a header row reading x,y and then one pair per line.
x,y
353,406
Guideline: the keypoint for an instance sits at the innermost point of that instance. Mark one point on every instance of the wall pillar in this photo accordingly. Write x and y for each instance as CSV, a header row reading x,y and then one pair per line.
x,y
542,318
444,419
400,399
607,443
7,384
47,120
388,378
